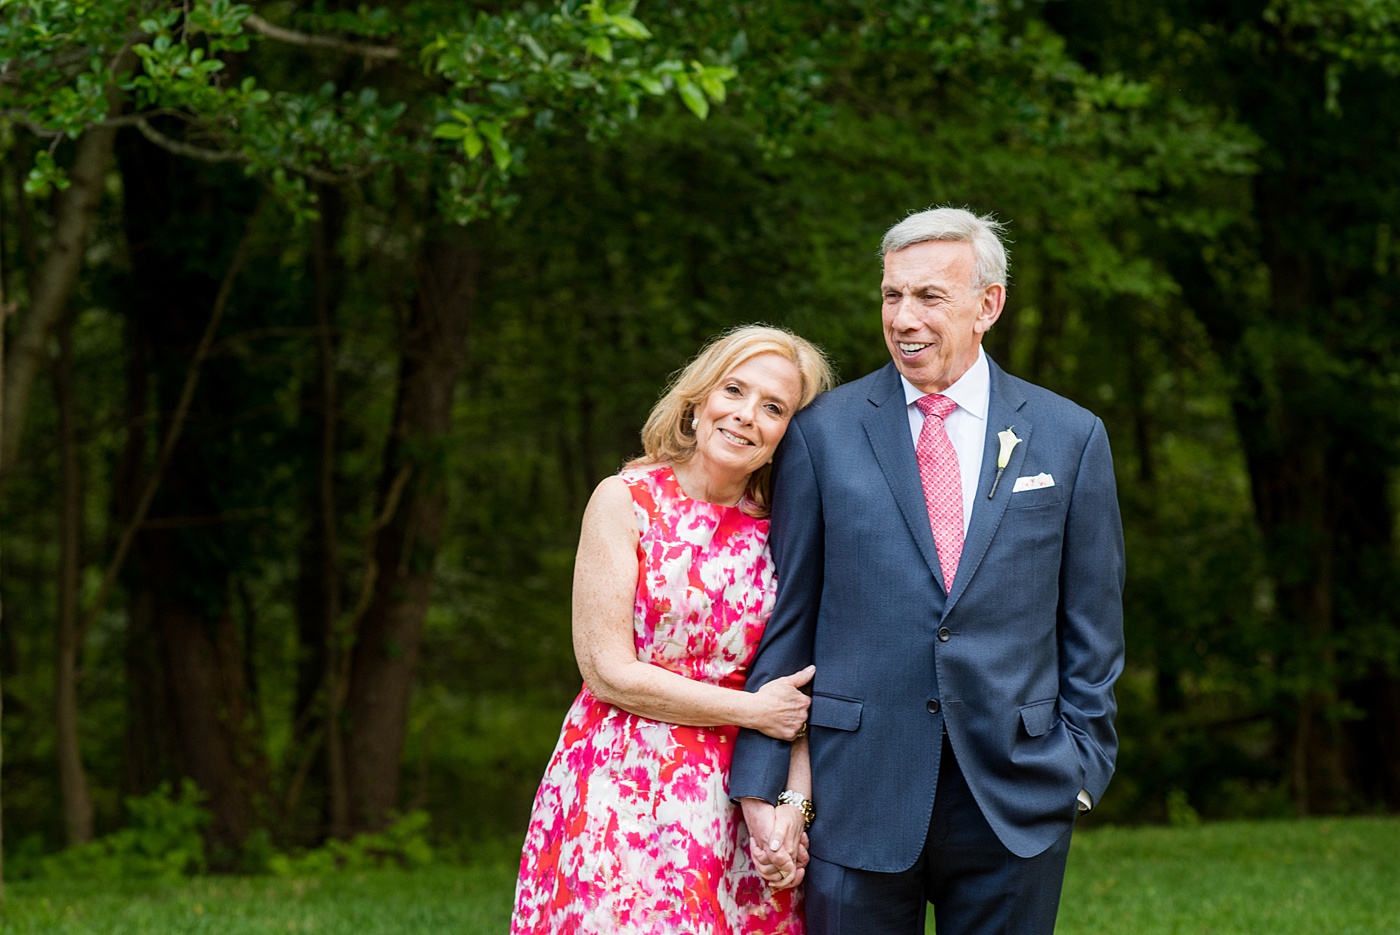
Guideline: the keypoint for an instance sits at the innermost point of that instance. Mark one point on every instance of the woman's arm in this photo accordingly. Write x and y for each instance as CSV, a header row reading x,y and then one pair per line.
x,y
605,587
800,769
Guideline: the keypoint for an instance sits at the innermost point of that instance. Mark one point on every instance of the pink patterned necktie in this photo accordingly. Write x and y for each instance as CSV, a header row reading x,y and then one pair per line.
x,y
938,469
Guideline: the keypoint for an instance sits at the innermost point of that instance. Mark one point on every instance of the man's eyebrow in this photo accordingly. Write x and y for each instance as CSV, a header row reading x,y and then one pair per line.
x,y
914,287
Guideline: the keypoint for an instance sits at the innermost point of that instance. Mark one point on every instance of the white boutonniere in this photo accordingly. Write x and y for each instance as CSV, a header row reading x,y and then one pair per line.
x,y
1008,441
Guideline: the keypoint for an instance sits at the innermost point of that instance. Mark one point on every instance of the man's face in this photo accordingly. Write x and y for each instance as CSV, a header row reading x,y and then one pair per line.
x,y
933,314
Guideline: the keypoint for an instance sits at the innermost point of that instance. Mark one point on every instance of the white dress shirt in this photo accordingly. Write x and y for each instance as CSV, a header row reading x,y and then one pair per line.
x,y
966,425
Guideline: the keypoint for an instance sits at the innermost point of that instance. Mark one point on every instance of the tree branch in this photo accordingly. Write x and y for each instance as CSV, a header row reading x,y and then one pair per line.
x,y
14,69
202,154
22,117
381,52
187,150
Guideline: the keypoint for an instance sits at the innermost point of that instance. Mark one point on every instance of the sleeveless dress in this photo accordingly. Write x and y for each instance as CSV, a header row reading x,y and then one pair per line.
x,y
632,830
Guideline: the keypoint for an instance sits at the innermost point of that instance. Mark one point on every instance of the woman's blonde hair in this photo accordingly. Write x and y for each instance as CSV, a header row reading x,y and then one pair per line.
x,y
668,435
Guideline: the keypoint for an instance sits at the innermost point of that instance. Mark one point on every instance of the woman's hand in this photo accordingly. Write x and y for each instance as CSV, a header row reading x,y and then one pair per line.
x,y
788,822
781,706
777,843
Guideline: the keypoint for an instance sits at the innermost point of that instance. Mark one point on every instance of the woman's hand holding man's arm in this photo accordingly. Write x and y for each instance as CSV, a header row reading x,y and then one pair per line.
x,y
605,586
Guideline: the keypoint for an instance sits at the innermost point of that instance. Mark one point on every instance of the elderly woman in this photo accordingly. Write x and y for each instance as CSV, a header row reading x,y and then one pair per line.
x,y
632,829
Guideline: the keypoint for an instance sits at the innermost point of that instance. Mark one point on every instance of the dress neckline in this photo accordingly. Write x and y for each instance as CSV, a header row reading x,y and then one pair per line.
x,y
682,495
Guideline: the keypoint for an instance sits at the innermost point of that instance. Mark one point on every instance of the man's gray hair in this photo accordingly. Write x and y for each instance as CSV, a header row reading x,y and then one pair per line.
x,y
959,226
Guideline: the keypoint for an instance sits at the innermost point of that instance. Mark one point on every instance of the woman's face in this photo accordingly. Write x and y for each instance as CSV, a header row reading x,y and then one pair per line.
x,y
742,420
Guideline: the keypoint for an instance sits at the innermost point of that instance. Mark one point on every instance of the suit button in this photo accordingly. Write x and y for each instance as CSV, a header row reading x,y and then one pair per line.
x,y
944,634
933,706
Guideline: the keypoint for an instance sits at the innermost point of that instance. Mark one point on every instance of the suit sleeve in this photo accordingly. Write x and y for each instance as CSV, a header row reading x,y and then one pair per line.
x,y
1091,613
760,763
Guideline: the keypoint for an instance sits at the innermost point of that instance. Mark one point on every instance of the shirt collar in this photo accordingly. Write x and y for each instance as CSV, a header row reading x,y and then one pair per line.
x,y
970,392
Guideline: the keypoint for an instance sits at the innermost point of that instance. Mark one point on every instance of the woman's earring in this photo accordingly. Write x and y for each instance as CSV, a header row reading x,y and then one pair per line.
x,y
694,424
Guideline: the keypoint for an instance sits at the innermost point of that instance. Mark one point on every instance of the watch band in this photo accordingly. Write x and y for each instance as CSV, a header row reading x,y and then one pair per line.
x,y
801,803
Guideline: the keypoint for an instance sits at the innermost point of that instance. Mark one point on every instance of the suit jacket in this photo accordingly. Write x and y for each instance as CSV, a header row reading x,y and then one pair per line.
x,y
1017,664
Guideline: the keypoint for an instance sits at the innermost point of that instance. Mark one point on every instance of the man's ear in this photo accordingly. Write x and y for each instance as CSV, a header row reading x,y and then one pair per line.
x,y
993,298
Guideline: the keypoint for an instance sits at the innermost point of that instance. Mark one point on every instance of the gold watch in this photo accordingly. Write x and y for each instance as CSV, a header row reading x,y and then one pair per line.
x,y
801,803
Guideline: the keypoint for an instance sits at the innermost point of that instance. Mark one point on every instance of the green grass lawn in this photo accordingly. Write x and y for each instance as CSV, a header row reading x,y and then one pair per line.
x,y
378,902
1318,877
1321,877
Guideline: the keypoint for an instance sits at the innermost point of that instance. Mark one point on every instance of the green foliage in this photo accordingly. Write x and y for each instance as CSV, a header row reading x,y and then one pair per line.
x,y
402,844
44,176
1345,36
1180,814
161,841
498,78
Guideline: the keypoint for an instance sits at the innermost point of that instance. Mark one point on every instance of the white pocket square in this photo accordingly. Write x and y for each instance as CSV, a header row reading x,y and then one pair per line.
x,y
1038,482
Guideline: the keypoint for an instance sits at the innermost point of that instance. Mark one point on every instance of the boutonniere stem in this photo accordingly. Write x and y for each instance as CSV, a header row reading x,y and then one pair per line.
x,y
1008,441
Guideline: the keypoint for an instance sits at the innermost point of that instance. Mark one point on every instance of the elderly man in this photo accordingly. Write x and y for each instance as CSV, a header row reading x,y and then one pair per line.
x,y
950,556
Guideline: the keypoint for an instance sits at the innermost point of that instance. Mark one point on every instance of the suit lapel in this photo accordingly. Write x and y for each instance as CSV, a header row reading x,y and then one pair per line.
x,y
1003,411
887,425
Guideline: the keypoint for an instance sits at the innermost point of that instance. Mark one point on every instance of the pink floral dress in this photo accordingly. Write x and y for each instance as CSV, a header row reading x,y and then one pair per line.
x,y
632,829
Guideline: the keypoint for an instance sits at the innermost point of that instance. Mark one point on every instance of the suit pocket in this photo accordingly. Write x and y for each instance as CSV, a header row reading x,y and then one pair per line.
x,y
833,712
1035,499
1039,717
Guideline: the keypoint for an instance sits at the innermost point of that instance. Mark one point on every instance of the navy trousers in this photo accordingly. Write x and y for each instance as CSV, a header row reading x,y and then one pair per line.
x,y
976,886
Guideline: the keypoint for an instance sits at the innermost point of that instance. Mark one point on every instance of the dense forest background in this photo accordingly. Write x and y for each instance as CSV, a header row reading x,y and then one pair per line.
x,y
325,317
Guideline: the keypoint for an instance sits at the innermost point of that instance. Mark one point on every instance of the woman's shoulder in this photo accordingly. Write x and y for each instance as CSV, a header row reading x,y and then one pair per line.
x,y
614,508
635,472
657,479
652,489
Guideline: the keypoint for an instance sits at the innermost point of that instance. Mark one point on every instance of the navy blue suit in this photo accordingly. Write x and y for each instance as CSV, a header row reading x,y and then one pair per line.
x,y
1016,665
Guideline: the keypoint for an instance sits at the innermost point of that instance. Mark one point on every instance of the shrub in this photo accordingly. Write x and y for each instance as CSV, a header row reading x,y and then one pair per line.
x,y
404,843
162,840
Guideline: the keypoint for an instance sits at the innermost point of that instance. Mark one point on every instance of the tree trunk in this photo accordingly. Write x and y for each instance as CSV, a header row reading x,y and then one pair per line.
x,y
215,714
1365,564
149,751
174,305
213,719
72,779
53,283
387,641
1373,742
150,748
319,582
4,314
